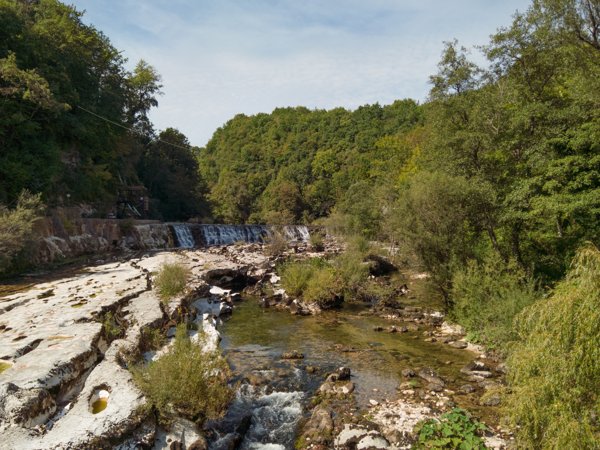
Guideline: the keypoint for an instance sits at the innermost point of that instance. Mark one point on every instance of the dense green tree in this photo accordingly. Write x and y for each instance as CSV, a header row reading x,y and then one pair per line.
x,y
170,171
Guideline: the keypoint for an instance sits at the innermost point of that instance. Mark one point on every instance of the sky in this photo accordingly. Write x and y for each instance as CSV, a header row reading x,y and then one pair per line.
x,y
219,58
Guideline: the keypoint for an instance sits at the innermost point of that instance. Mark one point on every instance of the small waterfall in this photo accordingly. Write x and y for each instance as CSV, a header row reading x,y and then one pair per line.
x,y
209,235
229,234
296,233
184,236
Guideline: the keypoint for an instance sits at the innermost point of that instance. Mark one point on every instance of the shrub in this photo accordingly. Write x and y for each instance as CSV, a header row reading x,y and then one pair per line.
x,y
323,288
317,242
16,226
487,297
186,381
555,368
351,267
171,280
296,275
454,430
276,244
111,326
151,339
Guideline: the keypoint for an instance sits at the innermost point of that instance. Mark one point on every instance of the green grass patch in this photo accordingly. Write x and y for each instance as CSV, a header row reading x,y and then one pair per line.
x,y
171,280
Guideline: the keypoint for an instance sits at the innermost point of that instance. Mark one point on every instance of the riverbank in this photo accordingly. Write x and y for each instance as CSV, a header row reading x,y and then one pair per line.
x,y
62,354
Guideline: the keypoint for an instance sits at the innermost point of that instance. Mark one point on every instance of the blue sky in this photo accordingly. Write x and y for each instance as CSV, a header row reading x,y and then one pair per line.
x,y
219,58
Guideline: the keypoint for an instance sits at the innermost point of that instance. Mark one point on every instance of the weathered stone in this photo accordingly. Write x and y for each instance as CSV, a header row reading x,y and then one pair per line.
x,y
408,373
292,354
458,344
467,388
373,441
349,436
319,427
430,376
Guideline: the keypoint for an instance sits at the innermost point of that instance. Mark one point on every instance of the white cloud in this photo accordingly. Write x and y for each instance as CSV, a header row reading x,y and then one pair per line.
x,y
220,58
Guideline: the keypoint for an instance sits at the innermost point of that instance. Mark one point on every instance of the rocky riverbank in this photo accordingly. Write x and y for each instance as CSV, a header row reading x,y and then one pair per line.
x,y
66,345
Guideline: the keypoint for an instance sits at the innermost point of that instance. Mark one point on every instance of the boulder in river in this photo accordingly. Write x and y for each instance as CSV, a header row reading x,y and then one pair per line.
x,y
430,376
292,354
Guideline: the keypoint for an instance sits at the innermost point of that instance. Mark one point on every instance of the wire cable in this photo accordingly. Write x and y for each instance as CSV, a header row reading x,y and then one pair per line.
x,y
130,129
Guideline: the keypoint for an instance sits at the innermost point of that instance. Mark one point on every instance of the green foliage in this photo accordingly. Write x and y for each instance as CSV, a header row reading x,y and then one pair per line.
x,y
59,80
432,226
171,174
171,280
486,298
555,369
327,282
455,430
186,381
317,241
151,339
111,327
297,163
351,267
324,288
296,275
16,226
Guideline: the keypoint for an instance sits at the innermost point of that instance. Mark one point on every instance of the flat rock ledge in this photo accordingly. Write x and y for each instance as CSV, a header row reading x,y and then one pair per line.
x,y
65,383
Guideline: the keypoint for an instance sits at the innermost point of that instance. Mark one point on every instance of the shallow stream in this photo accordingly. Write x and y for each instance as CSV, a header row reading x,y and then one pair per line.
x,y
274,391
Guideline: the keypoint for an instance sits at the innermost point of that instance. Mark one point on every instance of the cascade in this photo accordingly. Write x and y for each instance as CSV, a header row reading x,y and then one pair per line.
x,y
209,235
229,234
185,239
296,233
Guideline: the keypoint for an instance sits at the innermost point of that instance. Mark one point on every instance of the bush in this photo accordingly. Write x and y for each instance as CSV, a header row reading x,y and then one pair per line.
x,y
111,326
276,244
186,381
487,297
151,339
171,280
296,275
555,368
351,267
317,242
16,226
454,430
323,288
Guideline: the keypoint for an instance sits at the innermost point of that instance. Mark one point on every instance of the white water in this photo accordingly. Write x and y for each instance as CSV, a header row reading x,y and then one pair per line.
x,y
274,418
184,235
296,233
230,234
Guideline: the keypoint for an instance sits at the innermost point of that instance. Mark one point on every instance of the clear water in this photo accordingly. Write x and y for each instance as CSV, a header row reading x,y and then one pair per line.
x,y
254,339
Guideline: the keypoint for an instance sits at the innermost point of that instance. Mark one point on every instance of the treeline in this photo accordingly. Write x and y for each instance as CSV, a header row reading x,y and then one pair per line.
x,y
67,103
295,164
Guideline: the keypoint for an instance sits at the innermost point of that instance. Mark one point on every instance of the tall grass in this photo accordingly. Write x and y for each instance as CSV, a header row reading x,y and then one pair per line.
x,y
486,298
186,381
171,280
555,369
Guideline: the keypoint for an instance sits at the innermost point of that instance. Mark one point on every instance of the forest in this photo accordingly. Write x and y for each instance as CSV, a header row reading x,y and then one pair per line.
x,y
74,123
492,185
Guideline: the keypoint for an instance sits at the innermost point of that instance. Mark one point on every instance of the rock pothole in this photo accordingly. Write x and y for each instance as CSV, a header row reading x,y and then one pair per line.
x,y
99,399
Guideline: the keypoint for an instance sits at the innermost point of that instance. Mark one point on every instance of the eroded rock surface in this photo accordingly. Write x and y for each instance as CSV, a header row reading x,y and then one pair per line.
x,y
66,340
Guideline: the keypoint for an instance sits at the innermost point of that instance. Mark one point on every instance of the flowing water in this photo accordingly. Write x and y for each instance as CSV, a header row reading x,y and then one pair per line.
x,y
198,235
184,235
255,338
